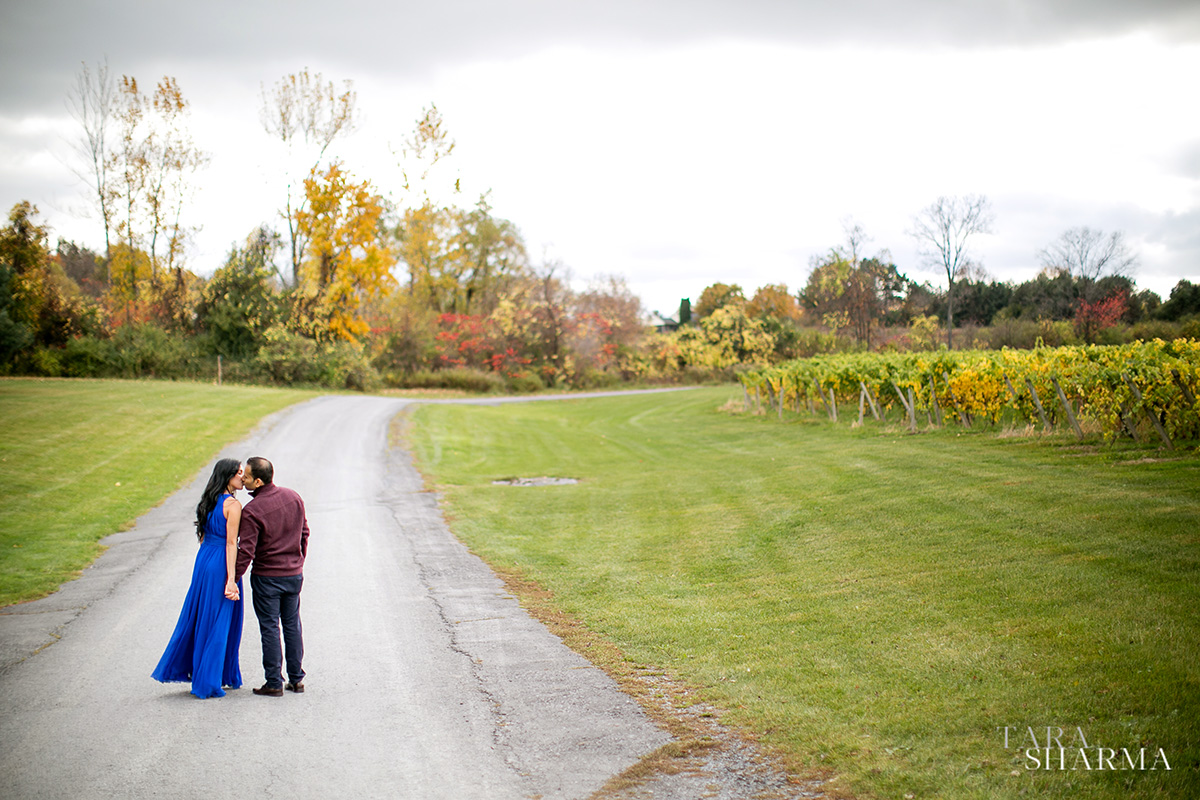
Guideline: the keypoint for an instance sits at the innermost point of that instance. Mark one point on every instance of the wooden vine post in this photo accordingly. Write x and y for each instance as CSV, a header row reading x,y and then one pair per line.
x,y
1037,403
900,394
1124,414
1067,407
908,407
870,399
1011,389
821,394
832,405
1183,387
1137,395
937,409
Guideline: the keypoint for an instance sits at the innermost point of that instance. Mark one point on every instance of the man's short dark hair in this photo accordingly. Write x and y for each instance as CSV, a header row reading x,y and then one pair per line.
x,y
261,469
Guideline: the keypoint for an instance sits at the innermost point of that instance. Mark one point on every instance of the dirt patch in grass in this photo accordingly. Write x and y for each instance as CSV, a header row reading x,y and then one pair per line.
x,y
1145,461
542,481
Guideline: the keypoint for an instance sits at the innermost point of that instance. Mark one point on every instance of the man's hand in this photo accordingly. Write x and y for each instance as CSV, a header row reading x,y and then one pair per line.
x,y
231,591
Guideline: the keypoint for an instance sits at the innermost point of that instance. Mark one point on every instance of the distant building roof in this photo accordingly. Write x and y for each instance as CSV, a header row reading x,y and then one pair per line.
x,y
659,322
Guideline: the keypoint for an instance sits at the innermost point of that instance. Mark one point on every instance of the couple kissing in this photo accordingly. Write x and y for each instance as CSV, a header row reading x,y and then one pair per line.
x,y
268,536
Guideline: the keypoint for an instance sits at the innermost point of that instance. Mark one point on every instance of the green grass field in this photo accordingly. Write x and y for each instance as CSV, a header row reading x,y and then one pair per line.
x,y
869,604
82,459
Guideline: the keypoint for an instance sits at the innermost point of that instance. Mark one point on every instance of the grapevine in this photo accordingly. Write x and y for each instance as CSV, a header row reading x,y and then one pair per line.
x,y
1146,390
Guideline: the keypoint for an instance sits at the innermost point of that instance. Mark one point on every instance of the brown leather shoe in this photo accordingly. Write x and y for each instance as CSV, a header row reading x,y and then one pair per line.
x,y
267,690
297,687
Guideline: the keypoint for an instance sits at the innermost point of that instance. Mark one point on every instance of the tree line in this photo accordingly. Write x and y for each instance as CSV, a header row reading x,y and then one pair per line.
x,y
415,287
354,287
1083,293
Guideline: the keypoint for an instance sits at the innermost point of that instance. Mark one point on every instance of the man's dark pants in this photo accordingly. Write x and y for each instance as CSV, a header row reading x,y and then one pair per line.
x,y
276,602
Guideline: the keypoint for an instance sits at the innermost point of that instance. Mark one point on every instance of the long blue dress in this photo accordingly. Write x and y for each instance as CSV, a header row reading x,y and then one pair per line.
x,y
204,647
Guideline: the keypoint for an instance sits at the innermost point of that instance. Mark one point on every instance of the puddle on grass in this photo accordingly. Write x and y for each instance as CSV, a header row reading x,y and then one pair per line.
x,y
543,481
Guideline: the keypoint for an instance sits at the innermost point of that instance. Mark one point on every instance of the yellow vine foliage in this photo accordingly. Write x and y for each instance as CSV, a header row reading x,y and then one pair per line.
x,y
1117,388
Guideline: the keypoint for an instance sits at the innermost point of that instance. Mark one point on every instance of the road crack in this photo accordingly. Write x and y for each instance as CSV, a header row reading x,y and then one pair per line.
x,y
417,510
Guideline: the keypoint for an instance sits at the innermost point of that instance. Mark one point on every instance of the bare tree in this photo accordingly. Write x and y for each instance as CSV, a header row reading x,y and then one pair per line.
x,y
306,114
846,289
428,144
138,158
130,160
171,159
611,298
153,163
943,230
1089,254
555,296
856,239
92,102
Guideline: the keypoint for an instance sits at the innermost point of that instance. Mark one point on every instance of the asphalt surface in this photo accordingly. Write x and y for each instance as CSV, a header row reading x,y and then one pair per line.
x,y
425,678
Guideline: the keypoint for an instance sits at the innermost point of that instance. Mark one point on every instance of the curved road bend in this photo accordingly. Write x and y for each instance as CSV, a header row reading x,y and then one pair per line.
x,y
426,679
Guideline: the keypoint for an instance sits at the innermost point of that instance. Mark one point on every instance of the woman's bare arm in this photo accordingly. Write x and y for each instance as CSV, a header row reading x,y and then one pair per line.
x,y
233,518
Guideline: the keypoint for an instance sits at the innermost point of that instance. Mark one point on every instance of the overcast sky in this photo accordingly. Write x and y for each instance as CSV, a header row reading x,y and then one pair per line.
x,y
676,143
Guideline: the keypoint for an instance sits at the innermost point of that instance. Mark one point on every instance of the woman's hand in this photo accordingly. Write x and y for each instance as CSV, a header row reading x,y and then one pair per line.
x,y
231,591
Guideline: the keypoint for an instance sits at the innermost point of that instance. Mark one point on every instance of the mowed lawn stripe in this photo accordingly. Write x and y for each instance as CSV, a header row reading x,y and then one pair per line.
x,y
870,603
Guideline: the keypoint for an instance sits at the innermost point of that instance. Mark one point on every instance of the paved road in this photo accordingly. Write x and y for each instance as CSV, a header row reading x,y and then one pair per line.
x,y
426,679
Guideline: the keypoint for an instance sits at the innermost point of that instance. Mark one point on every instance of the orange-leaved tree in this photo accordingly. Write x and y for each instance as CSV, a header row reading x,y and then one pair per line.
x,y
774,300
717,296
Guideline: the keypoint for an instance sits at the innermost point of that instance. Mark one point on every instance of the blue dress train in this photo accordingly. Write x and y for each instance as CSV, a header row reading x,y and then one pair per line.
x,y
204,647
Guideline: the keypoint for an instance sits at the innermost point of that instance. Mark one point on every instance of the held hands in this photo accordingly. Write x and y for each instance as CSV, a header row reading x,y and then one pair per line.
x,y
231,591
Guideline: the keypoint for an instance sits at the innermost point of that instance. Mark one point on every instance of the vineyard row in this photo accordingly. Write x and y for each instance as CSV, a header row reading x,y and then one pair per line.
x,y
1143,390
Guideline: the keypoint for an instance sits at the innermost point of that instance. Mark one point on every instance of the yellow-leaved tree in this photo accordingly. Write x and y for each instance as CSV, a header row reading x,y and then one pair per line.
x,y
348,259
460,261
726,337
426,241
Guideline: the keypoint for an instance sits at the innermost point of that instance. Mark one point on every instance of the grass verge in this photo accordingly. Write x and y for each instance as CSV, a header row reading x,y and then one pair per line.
x,y
80,459
869,603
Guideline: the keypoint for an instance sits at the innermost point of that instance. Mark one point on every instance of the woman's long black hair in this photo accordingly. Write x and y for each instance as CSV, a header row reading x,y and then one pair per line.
x,y
222,474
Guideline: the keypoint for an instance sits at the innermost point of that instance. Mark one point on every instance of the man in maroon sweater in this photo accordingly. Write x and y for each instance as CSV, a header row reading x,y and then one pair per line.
x,y
273,537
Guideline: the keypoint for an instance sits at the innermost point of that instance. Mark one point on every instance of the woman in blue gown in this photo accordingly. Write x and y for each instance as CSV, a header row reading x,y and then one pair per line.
x,y
204,647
